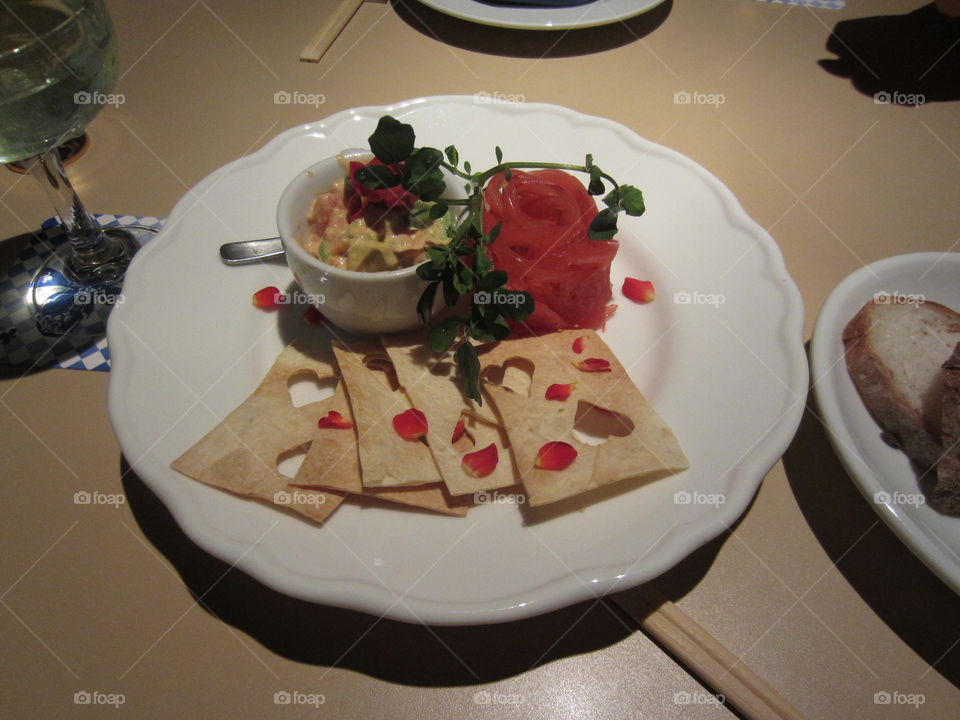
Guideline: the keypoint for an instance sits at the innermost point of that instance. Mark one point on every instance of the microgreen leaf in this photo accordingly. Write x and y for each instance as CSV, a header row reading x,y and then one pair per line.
x,y
452,155
422,174
469,366
376,177
492,280
425,303
499,153
442,335
438,210
392,141
631,200
604,225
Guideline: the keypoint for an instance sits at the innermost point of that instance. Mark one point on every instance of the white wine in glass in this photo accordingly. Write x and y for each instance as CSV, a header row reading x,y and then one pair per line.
x,y
58,61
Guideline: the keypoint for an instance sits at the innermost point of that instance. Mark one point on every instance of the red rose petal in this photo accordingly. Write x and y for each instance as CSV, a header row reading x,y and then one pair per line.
x,y
267,298
334,420
640,291
593,365
458,431
482,462
312,316
559,392
555,456
578,344
410,424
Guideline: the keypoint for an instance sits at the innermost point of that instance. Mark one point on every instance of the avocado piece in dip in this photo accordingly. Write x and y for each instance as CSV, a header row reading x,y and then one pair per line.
x,y
380,239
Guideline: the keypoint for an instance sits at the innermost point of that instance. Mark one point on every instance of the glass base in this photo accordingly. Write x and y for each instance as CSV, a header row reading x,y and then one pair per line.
x,y
67,299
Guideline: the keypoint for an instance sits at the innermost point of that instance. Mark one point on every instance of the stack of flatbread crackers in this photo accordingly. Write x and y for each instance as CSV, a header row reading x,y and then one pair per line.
x,y
354,448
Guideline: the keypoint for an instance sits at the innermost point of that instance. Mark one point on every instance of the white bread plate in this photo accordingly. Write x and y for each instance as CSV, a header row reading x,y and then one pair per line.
x,y
884,475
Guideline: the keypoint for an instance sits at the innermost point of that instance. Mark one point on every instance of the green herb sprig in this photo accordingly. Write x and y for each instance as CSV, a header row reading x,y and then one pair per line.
x,y
463,267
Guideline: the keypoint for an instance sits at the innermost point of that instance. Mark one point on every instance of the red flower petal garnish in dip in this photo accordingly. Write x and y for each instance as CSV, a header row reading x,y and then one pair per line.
x,y
334,420
362,195
559,392
458,431
482,462
267,298
555,456
593,365
641,291
579,343
410,424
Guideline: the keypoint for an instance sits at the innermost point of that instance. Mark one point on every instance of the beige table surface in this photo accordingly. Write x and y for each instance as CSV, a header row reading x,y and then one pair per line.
x,y
810,588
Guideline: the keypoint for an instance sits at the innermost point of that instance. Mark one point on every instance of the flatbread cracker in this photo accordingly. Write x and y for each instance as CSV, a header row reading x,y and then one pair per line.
x,y
640,445
333,462
240,453
431,382
386,459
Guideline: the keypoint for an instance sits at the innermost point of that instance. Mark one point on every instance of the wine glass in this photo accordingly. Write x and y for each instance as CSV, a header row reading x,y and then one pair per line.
x,y
58,64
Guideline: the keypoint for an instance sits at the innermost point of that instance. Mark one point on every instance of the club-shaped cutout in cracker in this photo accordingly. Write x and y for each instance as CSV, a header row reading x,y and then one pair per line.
x,y
431,382
240,454
596,387
386,458
333,462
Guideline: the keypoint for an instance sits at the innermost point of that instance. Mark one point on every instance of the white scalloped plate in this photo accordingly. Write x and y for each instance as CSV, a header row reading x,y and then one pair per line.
x,y
883,474
729,377
600,12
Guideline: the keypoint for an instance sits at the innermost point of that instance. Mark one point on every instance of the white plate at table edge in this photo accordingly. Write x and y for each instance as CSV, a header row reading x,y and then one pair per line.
x,y
601,12
786,343
855,436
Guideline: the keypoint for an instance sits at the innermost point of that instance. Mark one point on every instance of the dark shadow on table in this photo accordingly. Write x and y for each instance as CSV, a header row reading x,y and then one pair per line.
x,y
390,650
898,587
899,59
510,42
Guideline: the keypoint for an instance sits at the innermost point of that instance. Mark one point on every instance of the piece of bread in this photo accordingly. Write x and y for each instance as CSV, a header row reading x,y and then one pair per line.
x,y
894,352
945,496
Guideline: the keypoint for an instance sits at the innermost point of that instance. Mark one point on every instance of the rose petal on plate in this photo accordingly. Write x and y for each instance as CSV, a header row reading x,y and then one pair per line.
x,y
410,424
593,365
559,392
640,291
556,455
335,420
578,344
458,431
267,298
482,462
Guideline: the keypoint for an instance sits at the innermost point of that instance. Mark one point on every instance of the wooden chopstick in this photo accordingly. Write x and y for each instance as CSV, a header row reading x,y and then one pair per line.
x,y
704,655
330,30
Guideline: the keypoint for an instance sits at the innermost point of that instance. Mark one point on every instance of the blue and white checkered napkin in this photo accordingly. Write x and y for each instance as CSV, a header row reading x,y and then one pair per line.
x,y
21,343
822,4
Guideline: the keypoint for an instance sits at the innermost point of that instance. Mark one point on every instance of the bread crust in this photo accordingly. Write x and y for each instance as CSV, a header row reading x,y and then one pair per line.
x,y
945,496
884,400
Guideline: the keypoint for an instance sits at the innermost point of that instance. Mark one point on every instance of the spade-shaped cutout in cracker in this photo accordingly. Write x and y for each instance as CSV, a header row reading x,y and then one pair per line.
x,y
333,462
386,459
431,382
240,454
639,445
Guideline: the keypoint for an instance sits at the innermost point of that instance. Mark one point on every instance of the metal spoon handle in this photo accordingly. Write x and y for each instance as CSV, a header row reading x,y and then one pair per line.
x,y
244,251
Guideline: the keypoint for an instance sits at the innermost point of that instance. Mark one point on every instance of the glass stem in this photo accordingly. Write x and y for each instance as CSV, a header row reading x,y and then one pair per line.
x,y
89,246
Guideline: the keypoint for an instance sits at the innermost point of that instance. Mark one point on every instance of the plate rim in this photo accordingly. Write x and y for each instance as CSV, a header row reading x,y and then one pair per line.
x,y
569,587
918,541
492,19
